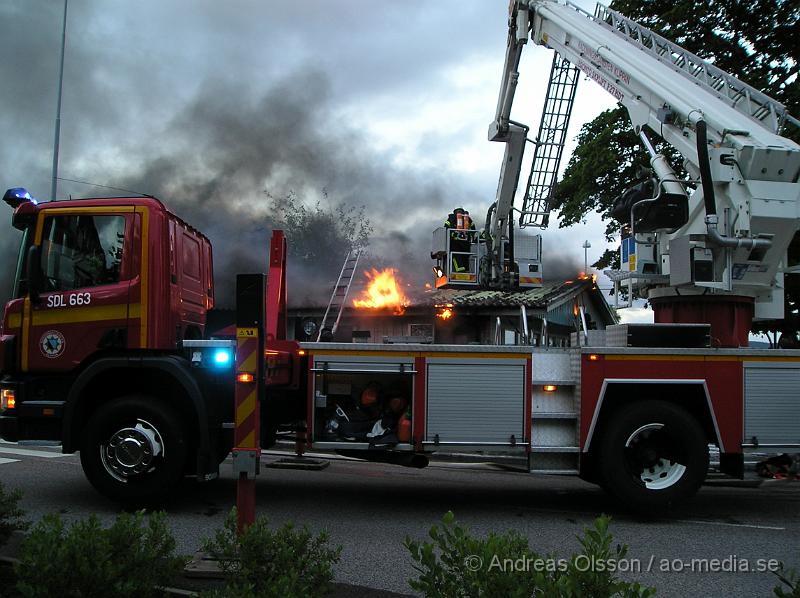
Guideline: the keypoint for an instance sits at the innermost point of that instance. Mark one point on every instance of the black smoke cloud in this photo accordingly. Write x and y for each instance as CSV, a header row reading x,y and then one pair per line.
x,y
213,141
228,153
557,266
217,140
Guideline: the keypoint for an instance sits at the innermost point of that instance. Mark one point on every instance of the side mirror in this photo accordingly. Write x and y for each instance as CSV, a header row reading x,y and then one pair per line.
x,y
24,215
34,271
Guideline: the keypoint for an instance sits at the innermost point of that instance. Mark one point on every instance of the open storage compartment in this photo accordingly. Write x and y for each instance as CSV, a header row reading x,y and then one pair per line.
x,y
362,402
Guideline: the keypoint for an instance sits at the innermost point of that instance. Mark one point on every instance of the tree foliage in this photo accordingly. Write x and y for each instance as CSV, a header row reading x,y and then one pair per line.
x,y
602,167
320,234
755,41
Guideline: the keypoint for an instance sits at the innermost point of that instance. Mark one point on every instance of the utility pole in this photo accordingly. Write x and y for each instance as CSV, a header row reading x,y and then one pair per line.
x,y
54,183
586,245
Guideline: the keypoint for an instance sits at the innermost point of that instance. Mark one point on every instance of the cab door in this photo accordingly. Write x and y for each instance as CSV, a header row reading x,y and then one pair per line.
x,y
83,305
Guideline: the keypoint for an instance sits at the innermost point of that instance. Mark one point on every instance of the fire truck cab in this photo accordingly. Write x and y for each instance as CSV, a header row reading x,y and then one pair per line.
x,y
105,292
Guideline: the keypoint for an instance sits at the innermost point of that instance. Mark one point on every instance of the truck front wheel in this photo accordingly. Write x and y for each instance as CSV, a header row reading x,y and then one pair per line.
x,y
134,449
652,454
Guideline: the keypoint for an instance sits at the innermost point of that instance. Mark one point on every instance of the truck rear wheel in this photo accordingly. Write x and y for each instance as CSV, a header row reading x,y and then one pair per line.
x,y
134,449
653,454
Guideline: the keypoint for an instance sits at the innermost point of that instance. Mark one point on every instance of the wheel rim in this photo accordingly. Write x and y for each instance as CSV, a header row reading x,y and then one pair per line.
x,y
649,457
132,451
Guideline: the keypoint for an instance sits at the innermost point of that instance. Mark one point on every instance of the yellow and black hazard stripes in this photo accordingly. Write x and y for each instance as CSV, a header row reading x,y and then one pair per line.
x,y
245,436
247,407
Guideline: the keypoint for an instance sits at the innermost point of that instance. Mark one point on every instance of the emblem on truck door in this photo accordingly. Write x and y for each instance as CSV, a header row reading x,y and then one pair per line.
x,y
52,344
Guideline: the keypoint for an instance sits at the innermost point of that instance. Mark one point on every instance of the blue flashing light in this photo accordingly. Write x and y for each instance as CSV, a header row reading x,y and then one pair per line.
x,y
17,196
222,357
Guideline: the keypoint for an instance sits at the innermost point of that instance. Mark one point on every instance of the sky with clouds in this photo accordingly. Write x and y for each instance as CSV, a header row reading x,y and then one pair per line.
x,y
209,104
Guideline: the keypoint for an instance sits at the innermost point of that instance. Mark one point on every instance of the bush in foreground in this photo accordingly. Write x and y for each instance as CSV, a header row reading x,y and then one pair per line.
x,y
132,558
285,562
456,564
10,513
791,580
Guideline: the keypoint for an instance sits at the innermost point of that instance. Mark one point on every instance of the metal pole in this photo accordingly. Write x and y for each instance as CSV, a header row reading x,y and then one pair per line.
x,y
586,246
526,337
584,326
54,182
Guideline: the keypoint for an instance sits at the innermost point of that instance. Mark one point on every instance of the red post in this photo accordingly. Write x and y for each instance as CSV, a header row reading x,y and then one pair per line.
x,y
260,320
246,449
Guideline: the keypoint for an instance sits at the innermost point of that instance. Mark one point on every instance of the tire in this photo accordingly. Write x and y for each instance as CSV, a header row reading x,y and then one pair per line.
x,y
134,449
652,455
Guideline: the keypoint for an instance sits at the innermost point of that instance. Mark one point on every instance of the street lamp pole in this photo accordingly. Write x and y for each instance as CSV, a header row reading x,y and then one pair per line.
x,y
54,182
586,245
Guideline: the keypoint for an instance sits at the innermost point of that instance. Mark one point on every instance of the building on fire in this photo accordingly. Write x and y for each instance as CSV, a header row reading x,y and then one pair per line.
x,y
482,317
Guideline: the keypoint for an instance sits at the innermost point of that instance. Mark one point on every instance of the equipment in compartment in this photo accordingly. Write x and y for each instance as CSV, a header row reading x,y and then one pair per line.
x,y
361,407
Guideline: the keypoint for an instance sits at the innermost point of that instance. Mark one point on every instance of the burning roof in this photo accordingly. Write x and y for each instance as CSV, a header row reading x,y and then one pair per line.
x,y
384,293
551,293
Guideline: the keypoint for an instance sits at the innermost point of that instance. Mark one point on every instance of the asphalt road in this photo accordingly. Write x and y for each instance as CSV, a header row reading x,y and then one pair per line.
x,y
369,509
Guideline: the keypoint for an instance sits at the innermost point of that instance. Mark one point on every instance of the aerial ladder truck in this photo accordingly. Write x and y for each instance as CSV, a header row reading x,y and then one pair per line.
x,y
106,345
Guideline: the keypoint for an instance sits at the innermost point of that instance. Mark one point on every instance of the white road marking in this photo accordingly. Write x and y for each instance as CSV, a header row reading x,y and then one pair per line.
x,y
29,453
748,525
39,445
4,461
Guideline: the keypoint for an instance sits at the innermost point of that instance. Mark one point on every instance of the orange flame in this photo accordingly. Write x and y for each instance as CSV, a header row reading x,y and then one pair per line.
x,y
428,285
445,311
383,292
583,276
594,280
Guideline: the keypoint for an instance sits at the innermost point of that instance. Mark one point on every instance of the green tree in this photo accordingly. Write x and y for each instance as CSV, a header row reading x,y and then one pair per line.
x,y
604,164
320,235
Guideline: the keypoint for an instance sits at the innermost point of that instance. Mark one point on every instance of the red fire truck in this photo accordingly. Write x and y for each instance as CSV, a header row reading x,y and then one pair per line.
x,y
105,344
100,352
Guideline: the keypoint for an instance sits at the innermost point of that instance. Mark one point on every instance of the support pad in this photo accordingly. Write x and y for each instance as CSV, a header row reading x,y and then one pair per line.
x,y
299,463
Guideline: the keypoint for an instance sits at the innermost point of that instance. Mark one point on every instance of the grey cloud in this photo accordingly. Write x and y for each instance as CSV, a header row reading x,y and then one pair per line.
x,y
209,104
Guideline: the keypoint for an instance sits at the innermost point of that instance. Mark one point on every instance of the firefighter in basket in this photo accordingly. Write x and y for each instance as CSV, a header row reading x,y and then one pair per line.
x,y
460,224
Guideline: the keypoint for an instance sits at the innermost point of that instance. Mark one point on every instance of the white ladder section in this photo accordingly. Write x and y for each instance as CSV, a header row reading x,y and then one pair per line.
x,y
556,412
333,314
549,143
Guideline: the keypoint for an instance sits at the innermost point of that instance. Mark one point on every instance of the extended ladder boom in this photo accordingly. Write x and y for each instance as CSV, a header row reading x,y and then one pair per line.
x,y
549,143
726,229
746,99
650,77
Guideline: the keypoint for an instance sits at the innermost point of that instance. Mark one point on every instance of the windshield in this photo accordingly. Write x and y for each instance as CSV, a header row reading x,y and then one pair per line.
x,y
21,277
82,251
